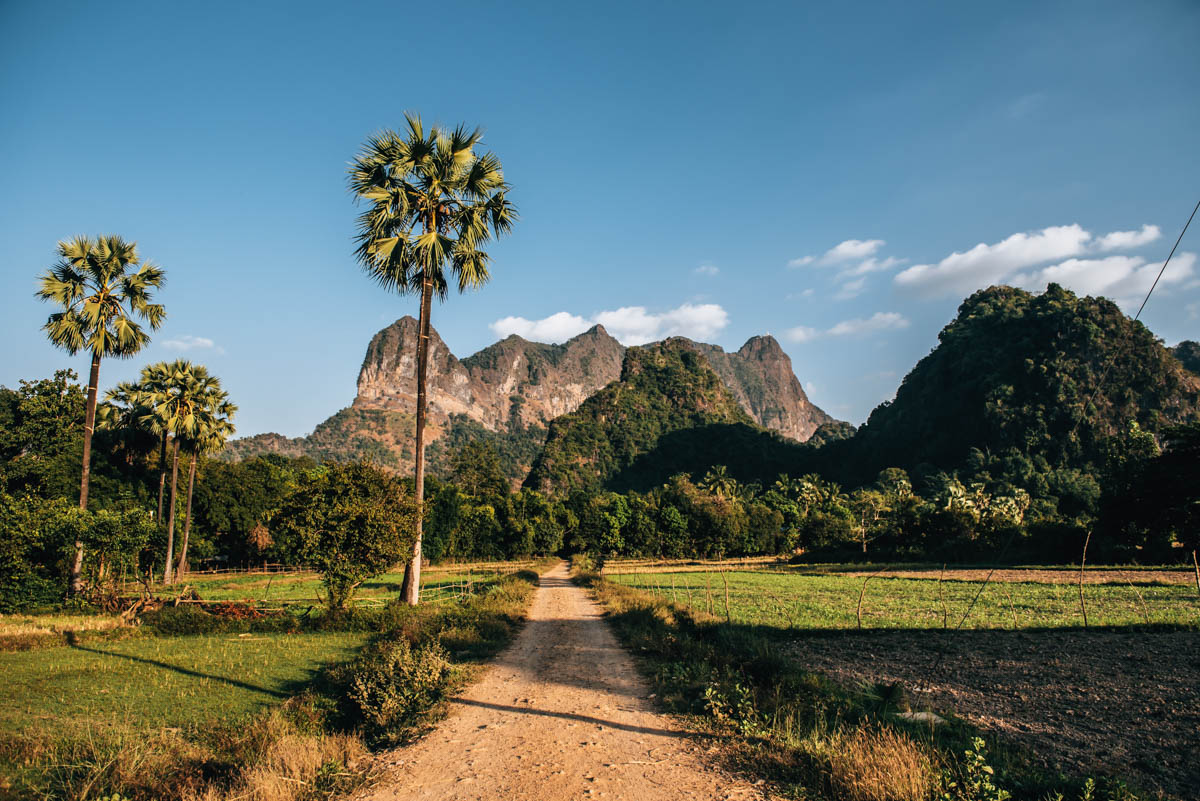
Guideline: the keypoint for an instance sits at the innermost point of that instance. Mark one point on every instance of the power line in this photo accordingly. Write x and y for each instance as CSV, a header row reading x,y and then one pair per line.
x,y
1168,261
1112,359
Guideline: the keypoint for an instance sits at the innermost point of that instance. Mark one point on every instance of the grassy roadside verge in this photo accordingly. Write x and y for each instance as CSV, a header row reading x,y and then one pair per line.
x,y
810,738
312,740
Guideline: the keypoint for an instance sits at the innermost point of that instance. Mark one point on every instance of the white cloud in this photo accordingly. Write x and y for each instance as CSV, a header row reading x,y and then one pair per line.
x,y
800,262
879,321
1125,240
188,342
1126,279
555,328
986,264
706,269
852,249
631,325
851,289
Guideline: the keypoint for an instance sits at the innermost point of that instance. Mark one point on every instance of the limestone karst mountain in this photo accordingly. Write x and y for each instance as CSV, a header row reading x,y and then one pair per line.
x,y
513,382
511,390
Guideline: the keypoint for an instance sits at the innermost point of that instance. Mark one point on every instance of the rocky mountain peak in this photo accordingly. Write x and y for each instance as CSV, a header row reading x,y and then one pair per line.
x,y
763,348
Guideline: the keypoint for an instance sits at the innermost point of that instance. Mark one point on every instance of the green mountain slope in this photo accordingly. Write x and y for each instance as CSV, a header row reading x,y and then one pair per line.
x,y
664,388
1025,377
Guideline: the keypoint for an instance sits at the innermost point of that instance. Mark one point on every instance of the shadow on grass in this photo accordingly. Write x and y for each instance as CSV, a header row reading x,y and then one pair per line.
x,y
281,694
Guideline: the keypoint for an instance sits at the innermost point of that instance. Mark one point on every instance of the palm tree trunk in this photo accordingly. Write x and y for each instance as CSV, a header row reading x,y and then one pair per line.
x,y
171,513
187,521
75,584
410,590
162,475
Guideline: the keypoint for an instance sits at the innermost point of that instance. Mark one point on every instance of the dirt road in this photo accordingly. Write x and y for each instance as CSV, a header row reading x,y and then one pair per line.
x,y
562,714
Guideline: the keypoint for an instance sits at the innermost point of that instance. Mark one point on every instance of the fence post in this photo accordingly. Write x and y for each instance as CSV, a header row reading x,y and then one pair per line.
x,y
1082,563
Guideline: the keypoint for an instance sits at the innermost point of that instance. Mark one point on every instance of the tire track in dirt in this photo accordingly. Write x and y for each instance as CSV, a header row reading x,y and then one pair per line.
x,y
562,714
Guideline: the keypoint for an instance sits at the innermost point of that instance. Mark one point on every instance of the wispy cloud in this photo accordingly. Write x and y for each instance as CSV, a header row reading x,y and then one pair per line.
x,y
631,325
851,249
871,265
880,321
851,289
706,269
187,342
848,250
1026,105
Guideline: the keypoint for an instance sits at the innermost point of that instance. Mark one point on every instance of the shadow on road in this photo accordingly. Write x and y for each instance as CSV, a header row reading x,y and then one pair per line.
x,y
569,716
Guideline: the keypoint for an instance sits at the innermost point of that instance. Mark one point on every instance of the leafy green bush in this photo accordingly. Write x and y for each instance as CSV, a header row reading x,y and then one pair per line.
x,y
30,552
391,686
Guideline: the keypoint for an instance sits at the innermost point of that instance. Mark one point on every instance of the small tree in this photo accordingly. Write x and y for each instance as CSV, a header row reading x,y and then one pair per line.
x,y
349,522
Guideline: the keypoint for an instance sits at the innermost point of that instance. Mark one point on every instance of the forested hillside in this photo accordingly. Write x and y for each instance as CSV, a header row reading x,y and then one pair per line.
x,y
664,389
1024,386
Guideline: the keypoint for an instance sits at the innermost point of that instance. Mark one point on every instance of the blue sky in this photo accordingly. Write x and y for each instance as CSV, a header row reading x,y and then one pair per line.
x,y
839,175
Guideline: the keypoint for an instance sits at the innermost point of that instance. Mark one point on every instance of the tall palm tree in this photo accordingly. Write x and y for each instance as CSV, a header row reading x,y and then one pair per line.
x,y
103,288
181,409
215,426
432,203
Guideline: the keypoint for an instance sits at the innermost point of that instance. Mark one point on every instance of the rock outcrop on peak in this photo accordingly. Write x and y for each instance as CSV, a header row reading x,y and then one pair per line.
x,y
760,376
513,382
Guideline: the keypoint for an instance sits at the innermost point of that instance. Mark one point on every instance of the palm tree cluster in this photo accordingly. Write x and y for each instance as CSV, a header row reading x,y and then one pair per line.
x,y
433,202
181,407
104,291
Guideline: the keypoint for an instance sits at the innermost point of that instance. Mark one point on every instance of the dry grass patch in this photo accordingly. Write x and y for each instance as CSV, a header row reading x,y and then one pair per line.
x,y
295,766
881,765
22,625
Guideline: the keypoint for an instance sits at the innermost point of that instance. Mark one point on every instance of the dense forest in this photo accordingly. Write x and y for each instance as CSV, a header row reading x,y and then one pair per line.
x,y
1035,421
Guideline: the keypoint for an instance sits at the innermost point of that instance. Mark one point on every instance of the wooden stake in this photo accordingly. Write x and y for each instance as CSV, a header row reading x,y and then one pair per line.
x,y
725,579
1082,563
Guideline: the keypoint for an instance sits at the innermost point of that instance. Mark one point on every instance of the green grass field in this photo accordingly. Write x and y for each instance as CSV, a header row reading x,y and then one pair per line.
x,y
305,587
152,682
790,599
